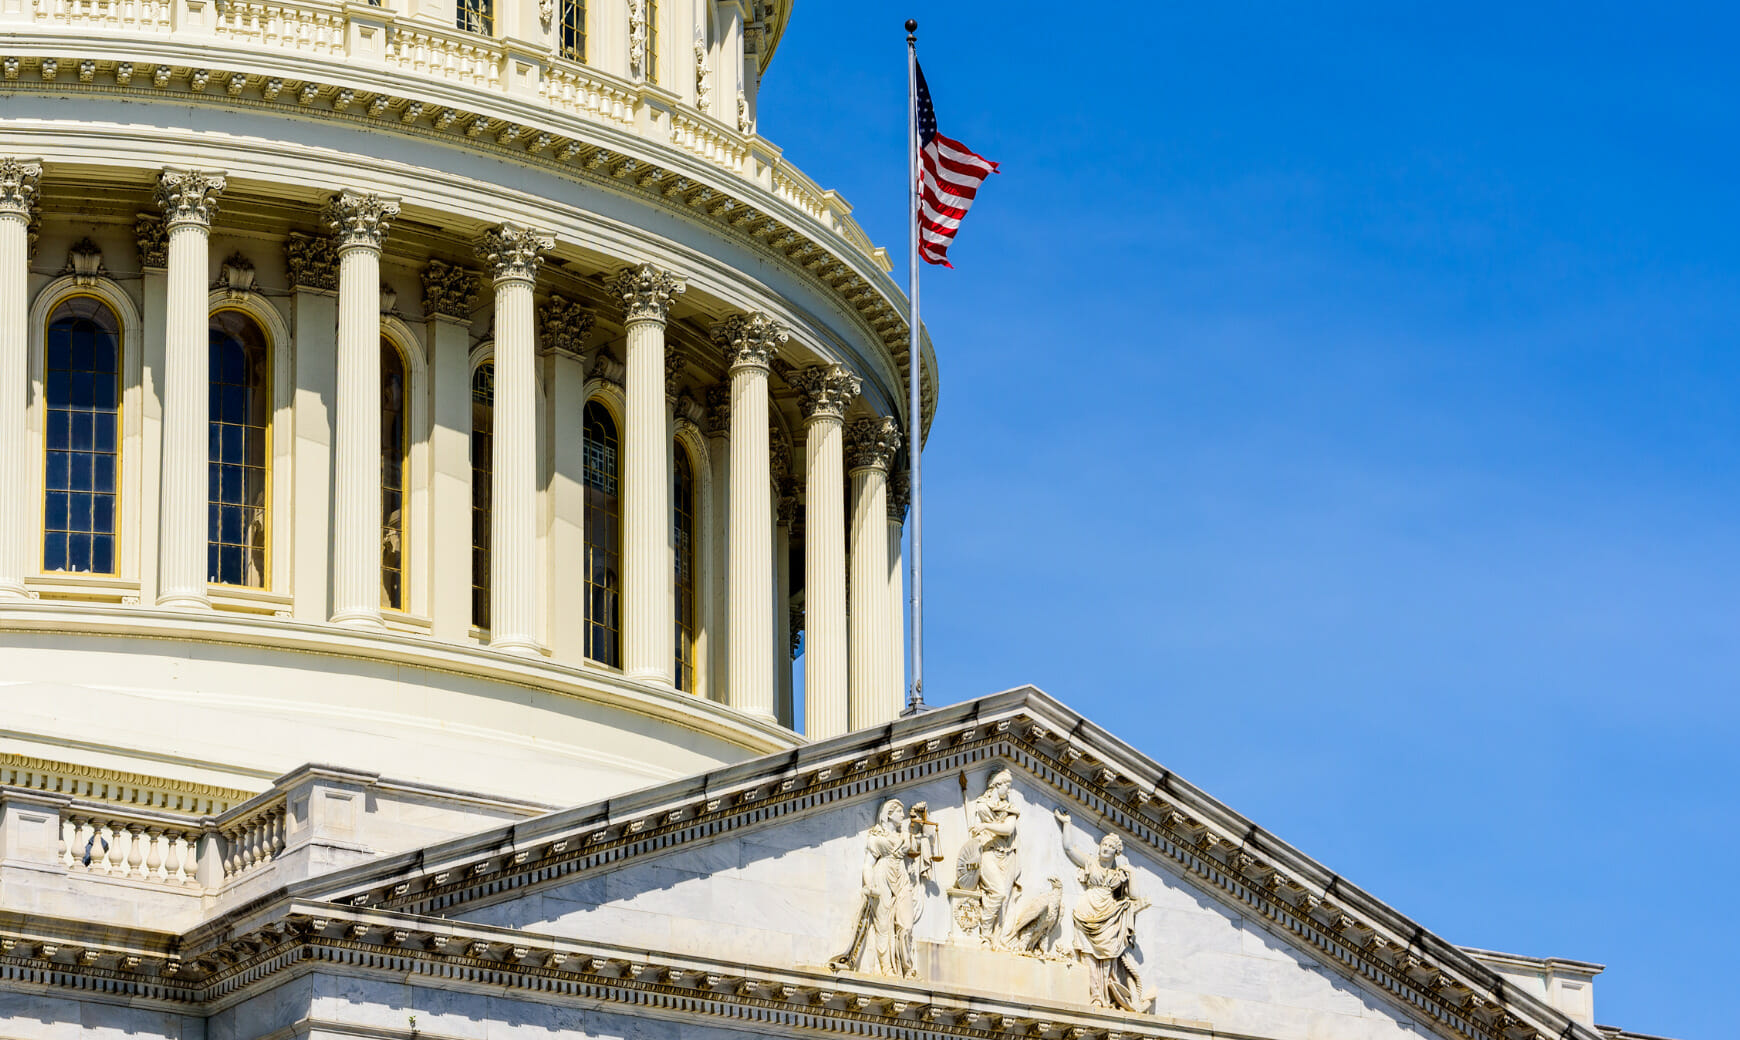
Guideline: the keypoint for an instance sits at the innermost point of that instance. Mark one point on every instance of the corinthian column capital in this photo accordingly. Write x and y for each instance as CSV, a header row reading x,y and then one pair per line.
x,y
18,183
825,391
871,443
188,196
449,291
749,340
899,495
563,325
646,292
358,220
514,253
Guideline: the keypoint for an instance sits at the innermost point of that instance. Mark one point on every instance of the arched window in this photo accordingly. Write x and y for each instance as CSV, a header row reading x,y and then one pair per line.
x,y
603,538
482,474
82,377
476,16
240,417
652,41
574,29
394,444
683,545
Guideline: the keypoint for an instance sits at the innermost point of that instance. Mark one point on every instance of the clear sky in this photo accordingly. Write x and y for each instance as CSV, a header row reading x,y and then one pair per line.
x,y
1340,402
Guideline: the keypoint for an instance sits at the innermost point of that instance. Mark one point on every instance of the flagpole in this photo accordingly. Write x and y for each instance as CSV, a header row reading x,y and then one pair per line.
x,y
914,366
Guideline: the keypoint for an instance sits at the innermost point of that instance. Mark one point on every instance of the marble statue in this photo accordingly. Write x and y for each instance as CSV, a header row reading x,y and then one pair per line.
x,y
898,852
988,863
1105,922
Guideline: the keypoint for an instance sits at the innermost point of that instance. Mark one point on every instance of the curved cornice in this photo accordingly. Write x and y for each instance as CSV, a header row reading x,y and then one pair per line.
x,y
676,159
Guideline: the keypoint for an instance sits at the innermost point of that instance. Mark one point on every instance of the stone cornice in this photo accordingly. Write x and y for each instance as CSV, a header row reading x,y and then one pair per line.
x,y
117,786
1207,843
595,151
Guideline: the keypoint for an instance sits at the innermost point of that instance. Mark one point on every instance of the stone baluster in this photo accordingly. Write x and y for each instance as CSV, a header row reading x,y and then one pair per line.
x,y
870,444
749,341
19,179
188,199
359,224
648,651
513,255
824,393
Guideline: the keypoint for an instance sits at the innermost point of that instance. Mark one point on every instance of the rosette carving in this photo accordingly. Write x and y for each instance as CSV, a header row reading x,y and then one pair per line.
x,y
19,179
359,220
188,196
513,252
563,325
449,291
750,339
871,443
646,292
825,391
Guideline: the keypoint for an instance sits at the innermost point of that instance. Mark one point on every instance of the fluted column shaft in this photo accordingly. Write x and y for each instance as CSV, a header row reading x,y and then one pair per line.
x,y
873,700
824,394
749,342
189,202
359,224
648,628
18,185
514,255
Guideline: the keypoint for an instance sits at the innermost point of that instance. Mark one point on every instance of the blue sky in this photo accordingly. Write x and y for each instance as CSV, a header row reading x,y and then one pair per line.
x,y
1340,402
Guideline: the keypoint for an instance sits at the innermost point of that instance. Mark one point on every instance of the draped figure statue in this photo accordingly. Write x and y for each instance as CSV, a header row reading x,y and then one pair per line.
x,y
1105,922
897,856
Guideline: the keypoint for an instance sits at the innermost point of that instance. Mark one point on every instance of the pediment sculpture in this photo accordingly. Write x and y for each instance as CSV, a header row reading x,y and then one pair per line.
x,y
898,853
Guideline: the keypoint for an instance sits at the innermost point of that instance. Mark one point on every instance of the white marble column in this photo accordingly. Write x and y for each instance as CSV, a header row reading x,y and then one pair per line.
x,y
18,183
648,629
513,255
870,444
824,393
359,224
749,341
189,202
899,497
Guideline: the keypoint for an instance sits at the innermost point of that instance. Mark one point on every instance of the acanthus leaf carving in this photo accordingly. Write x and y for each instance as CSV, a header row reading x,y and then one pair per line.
x,y
449,291
512,252
19,182
646,292
749,339
563,325
188,196
312,261
151,238
359,220
871,443
825,391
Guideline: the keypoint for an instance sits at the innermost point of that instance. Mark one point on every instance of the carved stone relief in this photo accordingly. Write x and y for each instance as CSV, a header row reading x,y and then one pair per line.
x,y
84,261
1105,921
899,851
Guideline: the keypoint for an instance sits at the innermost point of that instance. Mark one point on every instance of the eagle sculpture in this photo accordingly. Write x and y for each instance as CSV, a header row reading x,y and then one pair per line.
x,y
1028,926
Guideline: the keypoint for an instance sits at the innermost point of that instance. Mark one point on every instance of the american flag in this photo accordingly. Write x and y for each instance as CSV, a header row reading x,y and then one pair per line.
x,y
951,176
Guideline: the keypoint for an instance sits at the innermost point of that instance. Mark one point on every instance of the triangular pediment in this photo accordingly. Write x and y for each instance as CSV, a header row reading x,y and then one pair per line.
x,y
800,862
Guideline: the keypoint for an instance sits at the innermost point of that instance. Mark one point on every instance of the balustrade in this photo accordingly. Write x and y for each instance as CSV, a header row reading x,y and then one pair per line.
x,y
572,87
167,850
453,56
712,142
139,15
296,26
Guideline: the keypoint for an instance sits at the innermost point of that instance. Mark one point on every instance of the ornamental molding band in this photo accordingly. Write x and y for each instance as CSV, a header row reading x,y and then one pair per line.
x,y
514,253
871,443
646,292
312,261
151,237
188,197
839,920
563,325
449,291
750,340
19,181
359,220
825,391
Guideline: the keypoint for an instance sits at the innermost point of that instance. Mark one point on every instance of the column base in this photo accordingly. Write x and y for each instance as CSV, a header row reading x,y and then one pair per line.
x,y
16,590
652,678
517,645
180,601
360,619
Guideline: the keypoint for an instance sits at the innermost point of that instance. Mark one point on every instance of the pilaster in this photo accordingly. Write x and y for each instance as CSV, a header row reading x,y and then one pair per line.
x,y
563,328
717,428
449,299
313,269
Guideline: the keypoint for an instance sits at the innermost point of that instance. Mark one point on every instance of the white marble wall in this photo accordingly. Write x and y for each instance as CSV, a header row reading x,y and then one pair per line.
x,y
31,1015
781,894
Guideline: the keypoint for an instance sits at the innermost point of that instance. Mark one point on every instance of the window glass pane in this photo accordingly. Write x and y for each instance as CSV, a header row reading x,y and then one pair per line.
x,y
574,29
482,452
683,544
82,393
393,448
241,397
603,518
476,16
